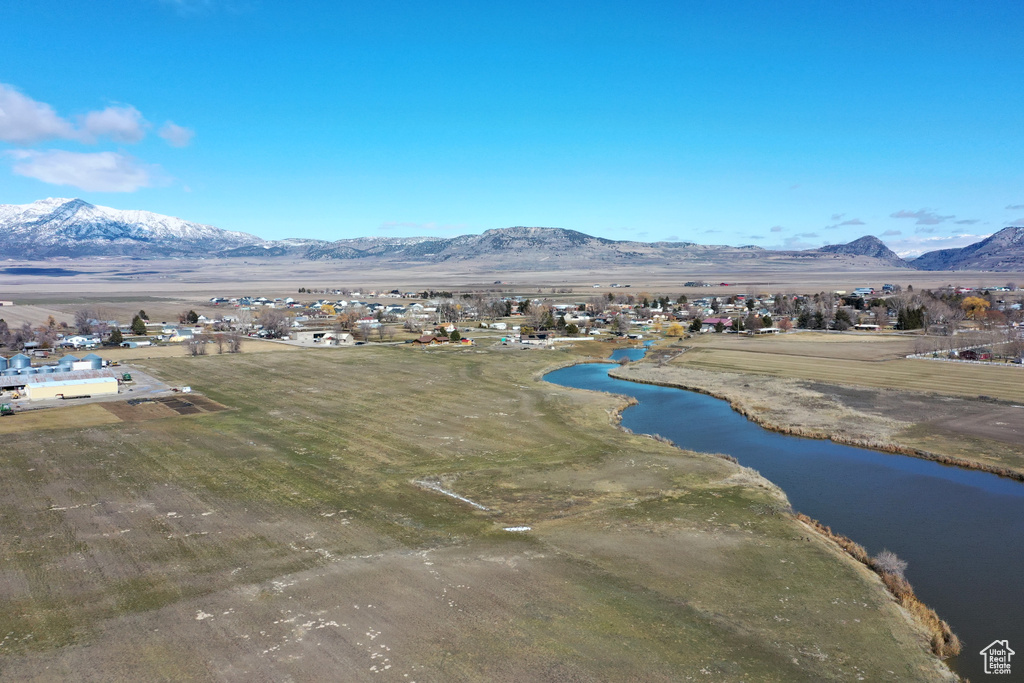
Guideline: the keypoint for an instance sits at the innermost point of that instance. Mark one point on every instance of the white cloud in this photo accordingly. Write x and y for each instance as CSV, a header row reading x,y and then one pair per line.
x,y
93,172
915,246
120,124
837,216
922,216
175,135
24,121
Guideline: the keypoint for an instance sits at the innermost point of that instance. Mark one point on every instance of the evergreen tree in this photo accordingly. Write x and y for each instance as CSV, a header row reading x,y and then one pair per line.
x,y
842,320
910,318
695,325
138,326
115,337
455,336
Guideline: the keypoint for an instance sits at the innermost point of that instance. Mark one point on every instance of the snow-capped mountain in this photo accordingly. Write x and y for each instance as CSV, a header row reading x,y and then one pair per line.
x,y
73,227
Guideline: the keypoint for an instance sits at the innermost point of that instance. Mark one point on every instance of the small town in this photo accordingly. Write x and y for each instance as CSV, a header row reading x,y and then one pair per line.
x,y
511,342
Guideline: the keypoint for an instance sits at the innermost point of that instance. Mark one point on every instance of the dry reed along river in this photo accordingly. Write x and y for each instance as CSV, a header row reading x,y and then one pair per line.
x,y
962,531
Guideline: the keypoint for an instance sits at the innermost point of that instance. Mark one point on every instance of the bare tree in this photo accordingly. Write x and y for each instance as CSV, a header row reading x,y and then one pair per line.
x,y
244,319
881,314
195,346
274,322
82,324
234,340
22,335
219,339
413,325
888,562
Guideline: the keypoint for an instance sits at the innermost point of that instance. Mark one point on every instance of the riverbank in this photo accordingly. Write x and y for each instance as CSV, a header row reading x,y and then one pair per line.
x,y
818,410
944,643
934,633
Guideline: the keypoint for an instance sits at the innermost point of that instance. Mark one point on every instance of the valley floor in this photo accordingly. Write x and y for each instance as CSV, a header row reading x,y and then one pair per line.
x,y
287,538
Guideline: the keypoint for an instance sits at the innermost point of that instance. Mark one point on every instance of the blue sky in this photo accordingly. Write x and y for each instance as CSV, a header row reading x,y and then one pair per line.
x,y
788,124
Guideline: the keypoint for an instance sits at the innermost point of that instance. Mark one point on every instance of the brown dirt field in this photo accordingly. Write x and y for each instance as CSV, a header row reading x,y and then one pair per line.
x,y
849,346
982,419
906,374
123,355
159,408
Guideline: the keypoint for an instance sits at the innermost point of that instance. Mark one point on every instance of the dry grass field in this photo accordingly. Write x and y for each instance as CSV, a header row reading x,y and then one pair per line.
x,y
65,418
288,539
860,360
116,280
855,388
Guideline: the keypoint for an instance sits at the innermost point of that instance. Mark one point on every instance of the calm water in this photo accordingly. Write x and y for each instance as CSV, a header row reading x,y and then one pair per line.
x,y
961,531
50,272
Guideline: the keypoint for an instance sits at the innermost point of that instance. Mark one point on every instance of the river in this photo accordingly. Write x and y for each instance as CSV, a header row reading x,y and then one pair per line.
x,y
962,531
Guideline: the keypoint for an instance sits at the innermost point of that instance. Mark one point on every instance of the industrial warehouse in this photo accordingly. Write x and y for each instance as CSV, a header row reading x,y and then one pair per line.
x,y
71,377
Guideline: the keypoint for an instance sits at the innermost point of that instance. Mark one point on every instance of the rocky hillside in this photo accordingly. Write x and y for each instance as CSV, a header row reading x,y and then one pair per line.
x,y
870,246
1003,251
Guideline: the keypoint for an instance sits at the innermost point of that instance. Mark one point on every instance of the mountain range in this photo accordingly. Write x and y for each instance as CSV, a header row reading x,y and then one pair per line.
x,y
73,228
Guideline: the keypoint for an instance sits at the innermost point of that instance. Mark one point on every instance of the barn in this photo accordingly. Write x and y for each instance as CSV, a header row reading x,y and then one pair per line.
x,y
42,387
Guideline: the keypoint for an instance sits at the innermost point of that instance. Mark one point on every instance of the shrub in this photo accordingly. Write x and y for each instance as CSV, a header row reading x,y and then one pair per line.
x,y
888,562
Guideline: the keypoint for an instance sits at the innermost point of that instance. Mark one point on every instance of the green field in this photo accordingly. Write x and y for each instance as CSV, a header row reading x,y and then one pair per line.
x,y
287,539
